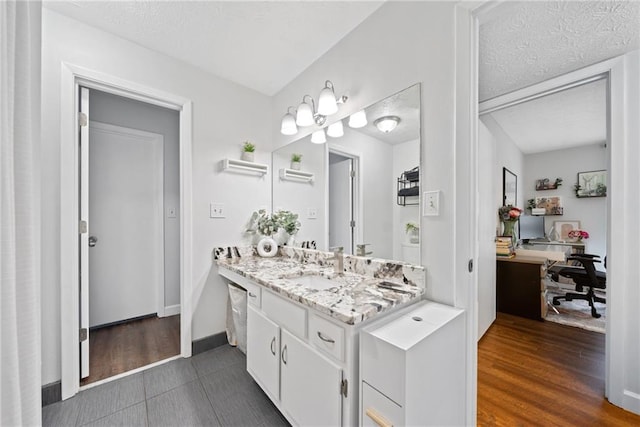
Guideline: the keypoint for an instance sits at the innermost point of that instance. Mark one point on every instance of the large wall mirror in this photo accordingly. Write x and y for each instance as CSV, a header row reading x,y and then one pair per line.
x,y
359,188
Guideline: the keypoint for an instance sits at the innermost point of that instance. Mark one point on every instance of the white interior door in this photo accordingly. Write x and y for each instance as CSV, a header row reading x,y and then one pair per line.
x,y
126,265
341,203
487,212
84,230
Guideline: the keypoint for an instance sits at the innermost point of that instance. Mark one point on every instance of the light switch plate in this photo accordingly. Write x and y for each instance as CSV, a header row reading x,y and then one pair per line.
x,y
431,203
312,213
217,210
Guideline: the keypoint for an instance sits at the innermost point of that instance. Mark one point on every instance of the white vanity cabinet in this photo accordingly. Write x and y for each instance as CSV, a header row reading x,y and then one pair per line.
x,y
263,351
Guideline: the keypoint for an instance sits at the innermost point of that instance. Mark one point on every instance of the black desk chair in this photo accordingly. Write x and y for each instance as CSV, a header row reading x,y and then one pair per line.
x,y
584,277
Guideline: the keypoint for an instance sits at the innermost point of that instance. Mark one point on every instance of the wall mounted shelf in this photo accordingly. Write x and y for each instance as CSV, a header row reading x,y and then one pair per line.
x,y
295,175
230,164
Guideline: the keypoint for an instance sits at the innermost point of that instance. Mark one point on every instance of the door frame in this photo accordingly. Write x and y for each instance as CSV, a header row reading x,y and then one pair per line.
x,y
73,76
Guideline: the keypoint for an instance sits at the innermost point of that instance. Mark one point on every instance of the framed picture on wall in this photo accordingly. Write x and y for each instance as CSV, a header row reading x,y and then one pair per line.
x,y
551,205
509,187
592,184
564,227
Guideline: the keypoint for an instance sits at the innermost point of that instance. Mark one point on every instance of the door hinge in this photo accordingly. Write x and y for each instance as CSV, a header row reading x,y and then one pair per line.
x,y
352,223
84,333
83,120
83,226
352,173
344,385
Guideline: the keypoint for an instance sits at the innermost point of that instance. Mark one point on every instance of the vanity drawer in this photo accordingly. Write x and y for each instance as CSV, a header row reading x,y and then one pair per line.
x,y
378,410
254,294
286,314
327,336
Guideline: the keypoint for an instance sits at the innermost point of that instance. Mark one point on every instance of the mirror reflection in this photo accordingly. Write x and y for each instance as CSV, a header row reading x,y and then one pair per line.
x,y
358,190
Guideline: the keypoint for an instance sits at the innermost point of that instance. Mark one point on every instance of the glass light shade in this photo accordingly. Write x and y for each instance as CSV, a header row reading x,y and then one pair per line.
x,y
288,126
318,137
335,130
305,115
387,124
358,119
327,102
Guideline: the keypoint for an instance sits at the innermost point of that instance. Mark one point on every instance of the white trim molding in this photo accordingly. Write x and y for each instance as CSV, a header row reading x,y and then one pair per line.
x,y
72,76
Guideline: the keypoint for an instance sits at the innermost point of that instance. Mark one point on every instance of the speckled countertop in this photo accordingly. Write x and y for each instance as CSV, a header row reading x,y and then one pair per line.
x,y
357,295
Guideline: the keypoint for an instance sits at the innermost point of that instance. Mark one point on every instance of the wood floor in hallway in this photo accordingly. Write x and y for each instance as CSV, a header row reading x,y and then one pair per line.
x,y
533,373
121,348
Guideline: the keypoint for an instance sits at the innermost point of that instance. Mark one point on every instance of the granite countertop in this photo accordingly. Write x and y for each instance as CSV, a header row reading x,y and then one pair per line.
x,y
356,298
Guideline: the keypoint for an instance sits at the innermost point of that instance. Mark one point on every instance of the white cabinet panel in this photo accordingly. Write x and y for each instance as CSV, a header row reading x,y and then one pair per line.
x,y
286,314
254,294
263,351
378,410
327,336
310,384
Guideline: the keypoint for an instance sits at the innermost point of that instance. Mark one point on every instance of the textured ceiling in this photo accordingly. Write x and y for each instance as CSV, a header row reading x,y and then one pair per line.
x,y
524,43
572,118
262,45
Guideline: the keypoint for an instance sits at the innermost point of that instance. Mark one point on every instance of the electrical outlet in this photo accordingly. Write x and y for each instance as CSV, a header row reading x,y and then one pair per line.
x,y
217,210
312,213
431,203
171,213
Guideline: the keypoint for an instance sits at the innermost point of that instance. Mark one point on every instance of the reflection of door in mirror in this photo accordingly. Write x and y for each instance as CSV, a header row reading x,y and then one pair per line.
x,y
341,203
382,152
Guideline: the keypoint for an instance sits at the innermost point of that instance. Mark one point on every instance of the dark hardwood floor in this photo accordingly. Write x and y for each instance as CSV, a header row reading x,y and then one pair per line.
x,y
121,348
533,373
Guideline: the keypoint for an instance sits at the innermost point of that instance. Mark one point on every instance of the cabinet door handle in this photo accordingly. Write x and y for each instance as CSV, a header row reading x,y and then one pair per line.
x,y
273,346
252,295
284,355
325,339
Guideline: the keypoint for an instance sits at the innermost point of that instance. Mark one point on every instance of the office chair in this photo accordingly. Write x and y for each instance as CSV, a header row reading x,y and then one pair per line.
x,y
584,277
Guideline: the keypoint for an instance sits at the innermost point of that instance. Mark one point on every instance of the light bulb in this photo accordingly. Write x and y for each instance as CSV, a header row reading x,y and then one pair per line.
x,y
305,115
318,137
335,130
327,100
288,126
358,119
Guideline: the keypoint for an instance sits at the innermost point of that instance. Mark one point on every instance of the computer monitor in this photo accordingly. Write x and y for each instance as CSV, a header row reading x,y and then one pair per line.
x,y
531,227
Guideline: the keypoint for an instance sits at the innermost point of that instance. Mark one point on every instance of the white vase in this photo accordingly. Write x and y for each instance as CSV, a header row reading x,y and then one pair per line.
x,y
295,166
267,247
247,156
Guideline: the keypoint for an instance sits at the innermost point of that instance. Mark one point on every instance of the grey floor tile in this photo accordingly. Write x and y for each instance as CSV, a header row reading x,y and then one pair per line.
x,y
133,416
106,399
168,376
218,358
63,413
239,401
186,405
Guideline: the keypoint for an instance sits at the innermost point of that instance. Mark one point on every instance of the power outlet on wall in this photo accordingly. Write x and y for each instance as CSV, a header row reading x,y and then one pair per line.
x,y
312,213
217,210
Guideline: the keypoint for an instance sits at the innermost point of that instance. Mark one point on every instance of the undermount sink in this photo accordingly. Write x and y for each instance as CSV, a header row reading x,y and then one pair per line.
x,y
315,282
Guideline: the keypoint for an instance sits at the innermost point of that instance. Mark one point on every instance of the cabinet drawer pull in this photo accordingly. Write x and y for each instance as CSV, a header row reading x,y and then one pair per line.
x,y
377,418
325,339
273,344
251,294
284,355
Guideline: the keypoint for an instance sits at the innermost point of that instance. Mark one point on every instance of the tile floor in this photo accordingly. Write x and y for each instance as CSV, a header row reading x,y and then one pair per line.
x,y
212,389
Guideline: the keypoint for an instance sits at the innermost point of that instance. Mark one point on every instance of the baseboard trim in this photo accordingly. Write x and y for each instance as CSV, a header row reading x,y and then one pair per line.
x,y
171,310
631,401
51,393
208,343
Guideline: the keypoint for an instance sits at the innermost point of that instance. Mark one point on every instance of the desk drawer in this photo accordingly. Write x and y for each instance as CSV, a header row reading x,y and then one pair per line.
x,y
286,314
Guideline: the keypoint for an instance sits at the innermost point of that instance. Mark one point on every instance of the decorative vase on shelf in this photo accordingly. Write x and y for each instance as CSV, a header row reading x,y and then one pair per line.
x,y
510,230
295,166
248,156
267,247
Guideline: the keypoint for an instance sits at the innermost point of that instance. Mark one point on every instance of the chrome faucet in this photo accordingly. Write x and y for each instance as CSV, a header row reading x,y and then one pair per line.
x,y
338,259
361,249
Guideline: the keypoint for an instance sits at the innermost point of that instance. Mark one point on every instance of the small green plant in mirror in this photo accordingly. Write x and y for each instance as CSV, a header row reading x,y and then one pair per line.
x,y
295,157
288,221
412,227
248,147
267,225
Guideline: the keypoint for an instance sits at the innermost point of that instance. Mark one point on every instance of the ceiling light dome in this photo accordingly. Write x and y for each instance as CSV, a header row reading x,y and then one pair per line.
x,y
358,119
387,123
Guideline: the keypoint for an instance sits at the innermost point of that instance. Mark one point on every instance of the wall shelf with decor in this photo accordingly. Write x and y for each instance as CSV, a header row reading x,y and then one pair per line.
x,y
409,188
546,184
295,175
243,165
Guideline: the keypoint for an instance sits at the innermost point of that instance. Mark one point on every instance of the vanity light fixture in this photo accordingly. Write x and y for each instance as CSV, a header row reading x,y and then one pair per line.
x,y
304,116
387,123
358,119
318,137
288,126
335,130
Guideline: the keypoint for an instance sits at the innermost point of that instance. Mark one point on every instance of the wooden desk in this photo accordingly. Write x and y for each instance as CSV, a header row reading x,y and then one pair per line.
x,y
520,288
576,247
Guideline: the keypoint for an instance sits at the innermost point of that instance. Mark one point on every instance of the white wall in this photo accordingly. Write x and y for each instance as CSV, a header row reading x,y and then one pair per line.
x,y
220,109
298,196
565,164
116,110
406,156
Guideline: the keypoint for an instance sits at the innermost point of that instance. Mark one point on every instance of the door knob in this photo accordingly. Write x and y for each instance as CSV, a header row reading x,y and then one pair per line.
x,y
92,241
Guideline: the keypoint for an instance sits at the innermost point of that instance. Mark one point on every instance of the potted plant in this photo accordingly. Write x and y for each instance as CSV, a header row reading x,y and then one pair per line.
x,y
413,230
248,150
295,161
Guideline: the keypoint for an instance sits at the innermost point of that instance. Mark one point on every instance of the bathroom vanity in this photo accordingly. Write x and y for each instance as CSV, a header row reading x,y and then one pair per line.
x,y
304,321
